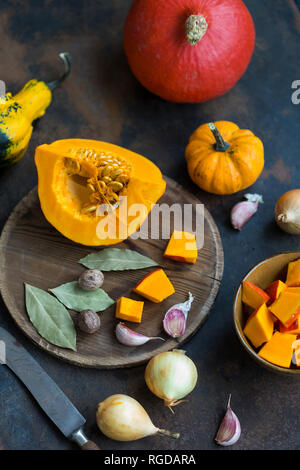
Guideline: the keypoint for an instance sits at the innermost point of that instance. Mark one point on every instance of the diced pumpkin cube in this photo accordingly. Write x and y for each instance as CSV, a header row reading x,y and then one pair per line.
x,y
259,327
293,274
279,349
129,309
253,296
294,328
285,307
182,247
274,290
156,286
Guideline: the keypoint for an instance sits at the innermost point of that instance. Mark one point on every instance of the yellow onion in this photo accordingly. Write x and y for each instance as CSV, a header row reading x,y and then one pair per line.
x,y
122,418
171,376
287,212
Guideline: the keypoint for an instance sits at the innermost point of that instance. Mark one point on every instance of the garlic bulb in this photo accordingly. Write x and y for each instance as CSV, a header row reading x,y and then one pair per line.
x,y
122,418
129,337
230,429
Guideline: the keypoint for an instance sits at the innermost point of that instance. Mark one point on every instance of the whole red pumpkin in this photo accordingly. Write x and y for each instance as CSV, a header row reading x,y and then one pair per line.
x,y
189,50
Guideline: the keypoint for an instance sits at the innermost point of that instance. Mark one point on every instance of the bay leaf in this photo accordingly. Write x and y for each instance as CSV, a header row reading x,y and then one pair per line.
x,y
75,298
116,259
51,319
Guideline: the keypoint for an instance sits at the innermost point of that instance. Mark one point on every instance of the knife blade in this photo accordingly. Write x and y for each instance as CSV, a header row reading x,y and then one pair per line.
x,y
45,391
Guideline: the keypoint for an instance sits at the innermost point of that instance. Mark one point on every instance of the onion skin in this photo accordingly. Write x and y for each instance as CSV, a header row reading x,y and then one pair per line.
x,y
287,212
171,376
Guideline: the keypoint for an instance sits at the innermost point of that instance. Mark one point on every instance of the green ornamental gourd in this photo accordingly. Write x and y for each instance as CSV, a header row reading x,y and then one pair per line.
x,y
17,114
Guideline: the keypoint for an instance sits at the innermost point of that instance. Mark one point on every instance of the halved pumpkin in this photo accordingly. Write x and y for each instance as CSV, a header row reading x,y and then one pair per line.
x,y
96,193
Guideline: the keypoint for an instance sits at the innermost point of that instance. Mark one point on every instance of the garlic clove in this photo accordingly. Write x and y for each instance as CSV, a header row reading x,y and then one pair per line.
x,y
129,337
230,429
174,321
243,211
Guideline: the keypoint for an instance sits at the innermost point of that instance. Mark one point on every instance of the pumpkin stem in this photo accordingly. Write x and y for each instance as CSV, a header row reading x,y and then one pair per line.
x,y
220,145
65,56
195,28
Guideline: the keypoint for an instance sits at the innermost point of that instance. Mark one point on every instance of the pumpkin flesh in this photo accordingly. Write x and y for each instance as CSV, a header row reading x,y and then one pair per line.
x,y
155,286
64,196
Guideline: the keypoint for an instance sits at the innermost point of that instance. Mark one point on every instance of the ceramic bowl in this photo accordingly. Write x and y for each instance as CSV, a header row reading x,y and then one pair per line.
x,y
262,274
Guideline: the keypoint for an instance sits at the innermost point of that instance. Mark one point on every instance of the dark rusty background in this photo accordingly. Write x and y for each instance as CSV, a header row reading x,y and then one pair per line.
x,y
102,100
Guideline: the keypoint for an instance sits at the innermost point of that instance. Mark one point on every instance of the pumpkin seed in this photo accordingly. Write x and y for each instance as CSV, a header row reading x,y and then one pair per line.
x,y
91,187
115,186
106,179
113,176
113,197
107,170
87,208
116,173
72,166
101,167
122,179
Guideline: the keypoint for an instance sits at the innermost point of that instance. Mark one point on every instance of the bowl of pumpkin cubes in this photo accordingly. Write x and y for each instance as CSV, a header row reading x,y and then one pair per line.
x,y
266,312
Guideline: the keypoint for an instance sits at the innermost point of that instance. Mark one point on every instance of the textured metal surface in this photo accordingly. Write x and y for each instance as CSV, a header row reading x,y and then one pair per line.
x,y
102,100
48,395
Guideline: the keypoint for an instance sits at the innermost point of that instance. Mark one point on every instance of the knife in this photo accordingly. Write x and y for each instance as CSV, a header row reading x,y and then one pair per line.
x,y
48,395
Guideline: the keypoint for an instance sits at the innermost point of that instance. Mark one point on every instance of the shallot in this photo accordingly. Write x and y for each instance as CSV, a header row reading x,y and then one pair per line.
x,y
122,418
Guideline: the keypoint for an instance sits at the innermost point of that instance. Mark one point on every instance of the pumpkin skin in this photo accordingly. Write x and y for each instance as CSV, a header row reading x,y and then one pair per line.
x,y
229,170
16,116
62,204
18,112
164,61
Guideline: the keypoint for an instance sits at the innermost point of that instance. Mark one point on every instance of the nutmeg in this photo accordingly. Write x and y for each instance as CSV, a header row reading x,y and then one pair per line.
x,y
88,321
91,279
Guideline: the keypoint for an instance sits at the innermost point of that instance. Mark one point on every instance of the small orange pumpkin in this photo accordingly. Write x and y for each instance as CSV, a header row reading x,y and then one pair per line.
x,y
224,159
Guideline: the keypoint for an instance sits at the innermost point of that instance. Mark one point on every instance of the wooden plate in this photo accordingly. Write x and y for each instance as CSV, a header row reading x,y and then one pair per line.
x,y
32,251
